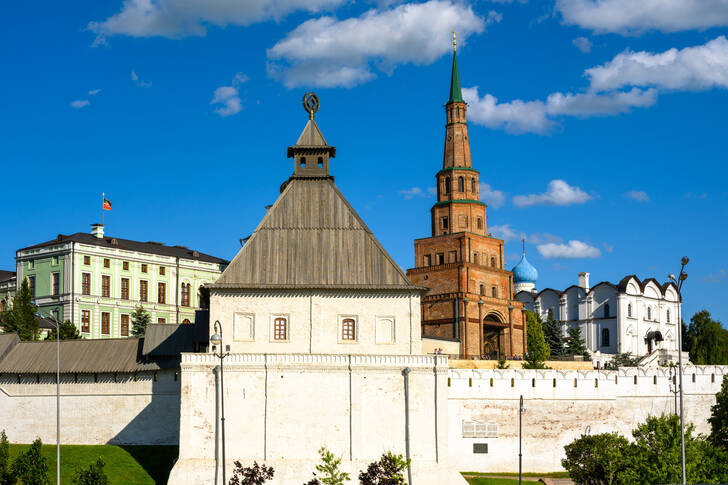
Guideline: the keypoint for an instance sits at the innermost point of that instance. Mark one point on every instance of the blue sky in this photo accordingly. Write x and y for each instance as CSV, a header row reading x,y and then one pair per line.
x,y
598,128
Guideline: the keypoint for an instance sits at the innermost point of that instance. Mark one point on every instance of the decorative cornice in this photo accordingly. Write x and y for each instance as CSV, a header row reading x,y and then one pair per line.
x,y
458,201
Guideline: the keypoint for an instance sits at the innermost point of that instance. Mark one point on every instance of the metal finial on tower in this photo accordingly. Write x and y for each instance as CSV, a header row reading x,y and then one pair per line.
x,y
311,104
524,245
454,40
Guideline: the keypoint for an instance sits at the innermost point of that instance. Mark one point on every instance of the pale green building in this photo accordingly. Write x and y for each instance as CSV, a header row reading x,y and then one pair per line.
x,y
96,281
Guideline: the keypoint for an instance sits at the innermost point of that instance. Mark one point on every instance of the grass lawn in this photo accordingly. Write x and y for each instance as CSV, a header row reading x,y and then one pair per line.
x,y
497,481
125,465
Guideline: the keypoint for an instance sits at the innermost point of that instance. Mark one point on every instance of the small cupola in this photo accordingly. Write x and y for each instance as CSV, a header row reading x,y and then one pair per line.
x,y
311,153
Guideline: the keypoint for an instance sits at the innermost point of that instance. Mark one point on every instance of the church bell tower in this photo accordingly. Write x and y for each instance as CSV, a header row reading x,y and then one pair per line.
x,y
470,294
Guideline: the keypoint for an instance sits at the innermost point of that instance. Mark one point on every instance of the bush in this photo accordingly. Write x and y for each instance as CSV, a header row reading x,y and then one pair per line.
x,y
596,459
387,471
93,475
329,473
31,468
254,475
502,364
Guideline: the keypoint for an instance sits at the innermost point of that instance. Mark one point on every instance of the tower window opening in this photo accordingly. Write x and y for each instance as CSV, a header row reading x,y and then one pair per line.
x,y
444,222
482,289
492,261
320,161
472,185
457,111
494,292
480,223
475,258
303,162
447,185
461,184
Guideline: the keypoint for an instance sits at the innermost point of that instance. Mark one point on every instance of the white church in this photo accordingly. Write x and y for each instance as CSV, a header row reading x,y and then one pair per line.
x,y
636,316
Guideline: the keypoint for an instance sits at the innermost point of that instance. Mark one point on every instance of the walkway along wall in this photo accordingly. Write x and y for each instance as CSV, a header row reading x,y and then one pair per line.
x,y
560,406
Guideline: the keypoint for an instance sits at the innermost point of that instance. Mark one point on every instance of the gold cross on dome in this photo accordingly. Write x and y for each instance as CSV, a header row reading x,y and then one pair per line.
x,y
454,40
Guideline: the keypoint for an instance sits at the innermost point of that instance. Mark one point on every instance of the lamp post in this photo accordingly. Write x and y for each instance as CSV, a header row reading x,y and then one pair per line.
x,y
678,283
216,340
521,410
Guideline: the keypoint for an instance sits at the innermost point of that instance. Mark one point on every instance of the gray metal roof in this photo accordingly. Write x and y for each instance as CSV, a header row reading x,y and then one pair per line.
x,y
313,238
81,356
165,340
6,275
7,342
149,247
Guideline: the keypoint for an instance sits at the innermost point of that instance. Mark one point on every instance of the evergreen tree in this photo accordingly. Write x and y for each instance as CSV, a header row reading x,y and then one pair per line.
x,y
139,319
719,417
538,349
6,477
22,318
575,344
68,332
32,467
554,336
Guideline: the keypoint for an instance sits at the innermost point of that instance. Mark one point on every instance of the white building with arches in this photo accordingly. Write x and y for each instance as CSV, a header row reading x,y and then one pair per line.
x,y
636,316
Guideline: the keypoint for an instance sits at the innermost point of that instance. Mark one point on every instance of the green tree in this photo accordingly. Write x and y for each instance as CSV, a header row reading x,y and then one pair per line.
x,y
708,340
21,318
6,477
553,335
93,475
251,475
538,349
328,470
575,344
68,332
719,417
31,467
388,470
595,459
140,318
624,359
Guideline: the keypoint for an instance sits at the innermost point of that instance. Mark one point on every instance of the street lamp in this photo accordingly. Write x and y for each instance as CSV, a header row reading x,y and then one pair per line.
x,y
678,283
521,410
216,341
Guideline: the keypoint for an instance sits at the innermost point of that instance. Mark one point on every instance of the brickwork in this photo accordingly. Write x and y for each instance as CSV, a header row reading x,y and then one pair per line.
x,y
470,293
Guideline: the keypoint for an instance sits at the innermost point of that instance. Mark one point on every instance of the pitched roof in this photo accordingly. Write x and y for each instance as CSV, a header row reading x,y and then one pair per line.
x,y
456,94
81,356
149,247
312,138
6,275
313,238
165,340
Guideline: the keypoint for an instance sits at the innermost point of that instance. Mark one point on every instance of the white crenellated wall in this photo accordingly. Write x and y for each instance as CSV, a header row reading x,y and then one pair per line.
x,y
561,405
94,410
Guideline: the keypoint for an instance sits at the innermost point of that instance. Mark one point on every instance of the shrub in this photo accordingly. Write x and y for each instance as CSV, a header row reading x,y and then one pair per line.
x,y
328,470
31,468
595,459
254,475
93,475
387,471
502,364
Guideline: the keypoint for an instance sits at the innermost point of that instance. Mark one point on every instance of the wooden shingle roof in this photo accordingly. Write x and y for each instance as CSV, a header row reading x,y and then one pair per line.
x,y
312,238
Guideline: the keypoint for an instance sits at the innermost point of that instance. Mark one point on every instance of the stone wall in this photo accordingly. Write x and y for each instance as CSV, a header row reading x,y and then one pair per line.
x,y
95,409
560,406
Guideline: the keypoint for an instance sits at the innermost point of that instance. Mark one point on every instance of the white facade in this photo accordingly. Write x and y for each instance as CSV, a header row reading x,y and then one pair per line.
x,y
639,317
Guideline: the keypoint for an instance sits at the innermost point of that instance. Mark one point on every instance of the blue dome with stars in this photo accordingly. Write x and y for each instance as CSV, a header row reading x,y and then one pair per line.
x,y
524,272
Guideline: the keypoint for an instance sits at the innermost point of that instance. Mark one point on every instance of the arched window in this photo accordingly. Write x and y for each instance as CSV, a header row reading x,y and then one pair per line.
x,y
280,329
629,309
492,261
458,112
303,161
461,184
605,337
186,321
447,185
668,315
482,289
606,310
475,258
480,223
348,329
649,313
185,294
472,185
494,292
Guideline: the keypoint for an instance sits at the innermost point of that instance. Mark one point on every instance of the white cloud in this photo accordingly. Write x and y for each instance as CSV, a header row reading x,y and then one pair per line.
x,y
574,249
177,19
538,238
692,68
139,82
494,198
583,44
80,103
94,92
227,97
558,193
637,16
329,52
718,277
506,232
638,195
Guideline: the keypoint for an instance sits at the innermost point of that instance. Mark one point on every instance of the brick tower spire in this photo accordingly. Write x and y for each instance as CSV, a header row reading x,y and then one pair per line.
x,y
470,296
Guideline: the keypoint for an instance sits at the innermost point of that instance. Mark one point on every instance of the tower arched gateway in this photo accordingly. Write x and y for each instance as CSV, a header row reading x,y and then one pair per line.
x,y
470,296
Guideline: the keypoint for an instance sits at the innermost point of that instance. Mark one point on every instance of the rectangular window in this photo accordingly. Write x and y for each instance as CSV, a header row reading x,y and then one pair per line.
x,y
143,290
31,264
125,288
162,271
480,223
428,260
441,258
54,260
453,256
161,293
348,329
31,284
56,284
87,260
85,283
85,321
444,222
125,325
125,265
475,258
144,268
280,329
106,286
107,263
161,320
105,323
494,292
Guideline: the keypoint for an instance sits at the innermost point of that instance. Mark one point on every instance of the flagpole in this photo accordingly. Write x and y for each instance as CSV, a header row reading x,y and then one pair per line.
x,y
103,198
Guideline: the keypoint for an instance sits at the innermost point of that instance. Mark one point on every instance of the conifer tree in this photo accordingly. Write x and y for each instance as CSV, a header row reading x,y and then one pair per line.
x,y
538,349
68,332
552,333
22,318
575,344
139,319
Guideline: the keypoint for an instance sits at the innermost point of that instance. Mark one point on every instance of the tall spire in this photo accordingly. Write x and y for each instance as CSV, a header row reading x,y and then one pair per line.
x,y
456,95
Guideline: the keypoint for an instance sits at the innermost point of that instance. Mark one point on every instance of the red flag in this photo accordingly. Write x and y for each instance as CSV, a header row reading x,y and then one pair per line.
x,y
107,205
